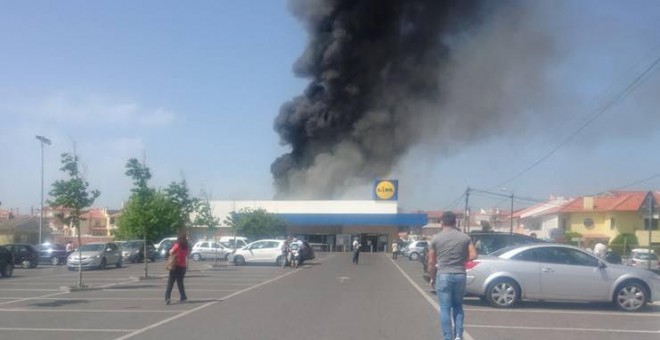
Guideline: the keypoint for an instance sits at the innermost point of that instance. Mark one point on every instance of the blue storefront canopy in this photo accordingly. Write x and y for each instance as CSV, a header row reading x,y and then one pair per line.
x,y
399,220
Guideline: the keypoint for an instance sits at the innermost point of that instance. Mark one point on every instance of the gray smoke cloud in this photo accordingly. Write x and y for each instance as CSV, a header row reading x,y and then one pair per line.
x,y
386,75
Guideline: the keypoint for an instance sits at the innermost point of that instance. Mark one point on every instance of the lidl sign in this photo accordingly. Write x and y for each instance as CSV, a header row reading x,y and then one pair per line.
x,y
386,190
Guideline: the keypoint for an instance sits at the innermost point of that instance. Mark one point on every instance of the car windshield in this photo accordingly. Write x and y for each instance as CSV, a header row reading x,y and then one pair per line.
x,y
646,256
131,245
92,247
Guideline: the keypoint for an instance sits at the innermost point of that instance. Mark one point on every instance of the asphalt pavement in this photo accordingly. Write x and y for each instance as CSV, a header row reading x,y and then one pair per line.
x,y
328,298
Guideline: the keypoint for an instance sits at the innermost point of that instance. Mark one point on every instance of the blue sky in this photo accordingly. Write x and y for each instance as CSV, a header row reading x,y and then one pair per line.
x,y
195,86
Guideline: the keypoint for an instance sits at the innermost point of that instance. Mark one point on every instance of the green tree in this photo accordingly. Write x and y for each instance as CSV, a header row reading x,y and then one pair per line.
x,y
72,195
179,194
148,212
204,216
256,224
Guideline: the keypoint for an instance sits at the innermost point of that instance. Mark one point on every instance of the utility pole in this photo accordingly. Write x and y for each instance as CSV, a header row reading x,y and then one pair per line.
x,y
466,212
511,216
651,203
43,140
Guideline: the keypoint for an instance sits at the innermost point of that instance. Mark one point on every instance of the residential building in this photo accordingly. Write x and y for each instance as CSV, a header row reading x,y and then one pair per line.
x,y
600,218
541,219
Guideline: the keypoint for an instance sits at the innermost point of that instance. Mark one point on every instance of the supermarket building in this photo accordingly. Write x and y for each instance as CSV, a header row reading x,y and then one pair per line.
x,y
334,224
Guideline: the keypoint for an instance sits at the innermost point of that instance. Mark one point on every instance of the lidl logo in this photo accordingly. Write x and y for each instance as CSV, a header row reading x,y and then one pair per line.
x,y
386,190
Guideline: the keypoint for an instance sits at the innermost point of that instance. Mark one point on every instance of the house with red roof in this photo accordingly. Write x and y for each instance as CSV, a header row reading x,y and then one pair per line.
x,y
600,218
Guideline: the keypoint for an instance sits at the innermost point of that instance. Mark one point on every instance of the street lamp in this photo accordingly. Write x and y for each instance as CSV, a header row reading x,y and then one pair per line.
x,y
43,140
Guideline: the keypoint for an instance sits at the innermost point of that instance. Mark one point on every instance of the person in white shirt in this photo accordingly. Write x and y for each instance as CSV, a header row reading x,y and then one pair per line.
x,y
356,251
600,250
395,250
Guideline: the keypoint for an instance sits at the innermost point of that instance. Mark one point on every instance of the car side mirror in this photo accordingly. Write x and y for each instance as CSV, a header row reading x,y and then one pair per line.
x,y
601,265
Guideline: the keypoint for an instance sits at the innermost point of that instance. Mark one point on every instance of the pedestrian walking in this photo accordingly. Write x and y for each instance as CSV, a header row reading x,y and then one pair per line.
x,y
285,252
356,251
449,251
179,252
395,250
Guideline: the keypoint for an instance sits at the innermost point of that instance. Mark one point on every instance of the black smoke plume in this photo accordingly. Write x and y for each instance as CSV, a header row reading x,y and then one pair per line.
x,y
379,71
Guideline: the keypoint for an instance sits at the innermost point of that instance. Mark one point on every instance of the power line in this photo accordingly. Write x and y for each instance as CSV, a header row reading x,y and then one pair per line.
x,y
637,182
630,88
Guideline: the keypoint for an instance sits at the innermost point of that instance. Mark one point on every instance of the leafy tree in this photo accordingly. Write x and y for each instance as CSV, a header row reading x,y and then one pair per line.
x,y
179,194
148,211
205,217
256,224
622,243
72,195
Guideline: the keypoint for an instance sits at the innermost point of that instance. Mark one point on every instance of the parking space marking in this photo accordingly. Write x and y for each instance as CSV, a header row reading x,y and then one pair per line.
x,y
597,330
96,330
433,303
224,298
581,312
161,290
86,310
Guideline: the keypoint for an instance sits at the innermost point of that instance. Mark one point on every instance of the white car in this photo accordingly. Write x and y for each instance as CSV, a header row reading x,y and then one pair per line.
x,y
262,251
208,250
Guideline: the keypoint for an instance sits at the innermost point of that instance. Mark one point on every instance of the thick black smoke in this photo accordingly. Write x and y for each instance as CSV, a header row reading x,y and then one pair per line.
x,y
378,70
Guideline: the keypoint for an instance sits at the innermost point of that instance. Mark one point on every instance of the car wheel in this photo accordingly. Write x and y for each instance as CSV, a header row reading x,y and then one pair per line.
x,y
630,296
34,264
413,256
55,261
239,260
71,268
8,270
26,264
503,293
102,265
197,257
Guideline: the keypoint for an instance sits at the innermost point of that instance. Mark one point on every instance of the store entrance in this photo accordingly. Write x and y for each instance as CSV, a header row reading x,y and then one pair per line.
x,y
373,243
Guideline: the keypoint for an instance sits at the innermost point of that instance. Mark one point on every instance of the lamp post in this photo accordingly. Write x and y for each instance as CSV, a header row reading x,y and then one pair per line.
x,y
43,140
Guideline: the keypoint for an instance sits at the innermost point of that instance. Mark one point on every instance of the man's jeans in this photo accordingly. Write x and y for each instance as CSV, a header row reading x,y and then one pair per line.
x,y
450,289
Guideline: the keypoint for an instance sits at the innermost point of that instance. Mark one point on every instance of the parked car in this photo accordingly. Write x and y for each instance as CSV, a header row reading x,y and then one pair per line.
x,y
488,242
641,257
209,250
52,253
25,255
414,249
95,255
6,262
163,247
133,251
232,242
557,272
262,251
307,252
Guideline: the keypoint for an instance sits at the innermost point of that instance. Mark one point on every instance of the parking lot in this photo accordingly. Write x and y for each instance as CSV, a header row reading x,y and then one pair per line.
x,y
329,298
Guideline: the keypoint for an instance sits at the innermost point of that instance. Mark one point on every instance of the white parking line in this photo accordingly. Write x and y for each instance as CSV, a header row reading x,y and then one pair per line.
x,y
140,331
85,310
161,290
433,303
65,329
598,330
580,312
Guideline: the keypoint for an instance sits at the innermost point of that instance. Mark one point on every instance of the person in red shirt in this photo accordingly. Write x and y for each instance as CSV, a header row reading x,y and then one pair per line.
x,y
180,250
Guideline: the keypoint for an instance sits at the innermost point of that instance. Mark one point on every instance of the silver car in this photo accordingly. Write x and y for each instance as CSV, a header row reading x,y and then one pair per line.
x,y
209,250
95,255
560,273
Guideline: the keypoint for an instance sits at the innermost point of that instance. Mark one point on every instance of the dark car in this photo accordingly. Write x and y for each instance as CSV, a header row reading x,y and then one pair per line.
x,y
133,251
25,255
52,253
488,242
6,262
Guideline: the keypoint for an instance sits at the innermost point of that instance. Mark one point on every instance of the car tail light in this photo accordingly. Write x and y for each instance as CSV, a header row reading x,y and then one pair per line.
x,y
471,264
